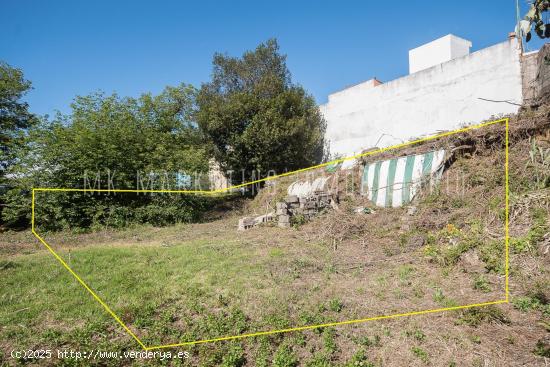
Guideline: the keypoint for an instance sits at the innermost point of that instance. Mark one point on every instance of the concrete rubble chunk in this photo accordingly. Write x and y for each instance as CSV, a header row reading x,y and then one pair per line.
x,y
263,218
249,222
310,205
281,205
284,218
245,223
284,224
292,199
306,205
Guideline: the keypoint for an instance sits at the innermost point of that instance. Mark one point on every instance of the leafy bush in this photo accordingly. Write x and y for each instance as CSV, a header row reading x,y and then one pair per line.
x,y
111,142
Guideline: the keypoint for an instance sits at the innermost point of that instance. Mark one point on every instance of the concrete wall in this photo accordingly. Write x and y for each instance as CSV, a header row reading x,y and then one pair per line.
x,y
438,51
542,76
438,98
529,76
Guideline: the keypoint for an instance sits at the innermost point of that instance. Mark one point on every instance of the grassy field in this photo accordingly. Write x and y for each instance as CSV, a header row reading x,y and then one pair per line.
x,y
199,281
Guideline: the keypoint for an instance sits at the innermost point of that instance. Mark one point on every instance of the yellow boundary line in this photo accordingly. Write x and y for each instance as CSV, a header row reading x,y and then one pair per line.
x,y
308,327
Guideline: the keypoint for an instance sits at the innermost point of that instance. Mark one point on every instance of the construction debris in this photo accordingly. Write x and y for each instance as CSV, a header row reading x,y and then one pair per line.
x,y
304,208
249,222
363,210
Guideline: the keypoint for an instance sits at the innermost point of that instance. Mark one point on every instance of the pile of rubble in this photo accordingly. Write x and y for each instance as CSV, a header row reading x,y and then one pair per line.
x,y
305,199
303,207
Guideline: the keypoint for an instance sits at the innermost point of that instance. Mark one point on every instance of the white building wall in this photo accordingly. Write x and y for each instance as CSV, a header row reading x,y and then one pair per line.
x,y
438,51
442,97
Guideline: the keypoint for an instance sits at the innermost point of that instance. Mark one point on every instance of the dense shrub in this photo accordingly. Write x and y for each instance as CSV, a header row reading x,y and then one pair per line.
x,y
110,142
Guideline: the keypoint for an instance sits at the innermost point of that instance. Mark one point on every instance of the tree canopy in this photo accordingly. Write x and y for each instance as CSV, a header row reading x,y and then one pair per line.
x,y
15,117
250,117
256,118
111,142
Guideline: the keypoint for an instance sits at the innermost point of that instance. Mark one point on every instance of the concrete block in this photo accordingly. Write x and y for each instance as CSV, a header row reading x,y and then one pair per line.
x,y
245,223
281,205
292,199
310,205
284,218
284,224
263,218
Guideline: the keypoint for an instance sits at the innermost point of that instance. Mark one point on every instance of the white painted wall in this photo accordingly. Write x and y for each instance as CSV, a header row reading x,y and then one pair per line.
x,y
442,97
437,52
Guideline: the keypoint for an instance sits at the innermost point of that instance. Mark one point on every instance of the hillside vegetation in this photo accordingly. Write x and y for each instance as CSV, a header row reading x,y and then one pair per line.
x,y
199,281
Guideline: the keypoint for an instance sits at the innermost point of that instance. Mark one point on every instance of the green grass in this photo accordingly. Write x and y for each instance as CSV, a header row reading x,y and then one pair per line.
x,y
148,287
166,293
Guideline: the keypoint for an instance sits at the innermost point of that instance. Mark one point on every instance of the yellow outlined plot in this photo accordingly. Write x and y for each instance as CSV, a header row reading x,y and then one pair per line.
x,y
307,327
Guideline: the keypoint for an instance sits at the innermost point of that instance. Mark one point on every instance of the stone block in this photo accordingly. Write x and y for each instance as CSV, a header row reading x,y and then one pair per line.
x,y
281,205
310,205
282,211
292,199
284,218
284,224
246,223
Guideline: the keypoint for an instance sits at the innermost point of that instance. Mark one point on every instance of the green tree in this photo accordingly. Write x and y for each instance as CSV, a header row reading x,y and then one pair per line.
x,y
256,118
134,143
15,117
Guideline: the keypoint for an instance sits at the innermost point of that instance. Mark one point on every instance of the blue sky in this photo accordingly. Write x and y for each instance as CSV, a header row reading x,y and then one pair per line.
x,y
69,48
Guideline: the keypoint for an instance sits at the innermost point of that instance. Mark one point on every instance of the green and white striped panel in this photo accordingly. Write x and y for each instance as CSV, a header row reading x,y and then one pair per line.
x,y
395,182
